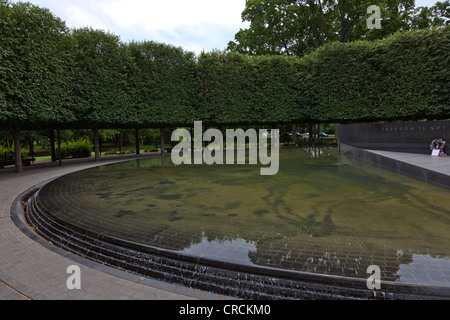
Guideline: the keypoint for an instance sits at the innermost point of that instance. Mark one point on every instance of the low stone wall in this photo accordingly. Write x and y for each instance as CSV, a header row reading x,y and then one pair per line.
x,y
411,137
397,166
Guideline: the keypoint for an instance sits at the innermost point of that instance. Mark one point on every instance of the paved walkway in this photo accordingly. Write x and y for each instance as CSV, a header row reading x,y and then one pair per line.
x,y
435,170
436,164
428,168
29,271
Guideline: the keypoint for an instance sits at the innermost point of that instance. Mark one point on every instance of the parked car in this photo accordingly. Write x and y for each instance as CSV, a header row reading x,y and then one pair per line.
x,y
323,134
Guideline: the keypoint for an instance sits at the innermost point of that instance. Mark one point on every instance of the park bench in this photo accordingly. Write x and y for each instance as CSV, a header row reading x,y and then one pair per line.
x,y
25,162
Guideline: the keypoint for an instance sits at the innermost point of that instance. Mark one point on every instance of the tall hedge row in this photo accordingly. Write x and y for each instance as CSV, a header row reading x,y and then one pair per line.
x,y
34,51
100,88
55,77
164,84
405,76
234,88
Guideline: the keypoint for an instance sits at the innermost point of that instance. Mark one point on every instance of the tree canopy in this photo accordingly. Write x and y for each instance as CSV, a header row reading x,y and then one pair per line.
x,y
33,67
53,77
164,83
298,27
100,79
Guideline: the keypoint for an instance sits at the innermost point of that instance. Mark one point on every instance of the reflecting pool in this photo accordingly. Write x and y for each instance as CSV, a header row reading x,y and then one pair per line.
x,y
322,213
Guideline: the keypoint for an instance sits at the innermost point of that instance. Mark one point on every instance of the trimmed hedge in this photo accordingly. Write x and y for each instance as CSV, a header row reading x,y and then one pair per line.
x,y
238,89
7,153
87,78
164,84
34,62
403,77
76,149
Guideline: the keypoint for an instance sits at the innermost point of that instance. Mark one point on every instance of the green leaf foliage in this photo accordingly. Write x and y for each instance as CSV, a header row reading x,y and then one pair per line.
x,y
402,77
33,57
239,89
76,149
99,80
51,77
164,84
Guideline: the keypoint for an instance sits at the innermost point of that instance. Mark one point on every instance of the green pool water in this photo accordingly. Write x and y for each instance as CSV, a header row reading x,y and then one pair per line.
x,y
322,213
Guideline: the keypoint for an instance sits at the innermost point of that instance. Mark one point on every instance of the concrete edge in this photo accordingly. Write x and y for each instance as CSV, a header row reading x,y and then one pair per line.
x,y
412,170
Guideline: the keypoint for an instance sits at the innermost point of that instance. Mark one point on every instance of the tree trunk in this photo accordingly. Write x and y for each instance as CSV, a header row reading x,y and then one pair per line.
x,y
294,134
318,133
51,135
120,142
191,130
322,34
272,141
59,147
18,155
31,146
96,145
136,138
314,134
161,131
336,134
310,130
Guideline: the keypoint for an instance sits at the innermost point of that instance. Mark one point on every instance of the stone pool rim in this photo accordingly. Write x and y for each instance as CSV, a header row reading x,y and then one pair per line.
x,y
290,284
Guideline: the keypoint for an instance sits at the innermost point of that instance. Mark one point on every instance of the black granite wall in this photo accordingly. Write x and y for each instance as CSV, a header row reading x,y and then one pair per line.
x,y
412,137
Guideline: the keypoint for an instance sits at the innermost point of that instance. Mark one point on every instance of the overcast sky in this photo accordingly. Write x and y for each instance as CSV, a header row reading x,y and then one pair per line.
x,y
194,25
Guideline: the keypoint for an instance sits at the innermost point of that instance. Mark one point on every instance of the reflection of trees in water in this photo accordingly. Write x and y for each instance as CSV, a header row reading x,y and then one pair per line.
x,y
315,228
316,251
317,152
172,239
311,257
178,239
316,255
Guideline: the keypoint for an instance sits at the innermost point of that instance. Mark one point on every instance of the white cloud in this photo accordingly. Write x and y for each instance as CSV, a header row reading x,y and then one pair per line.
x,y
167,15
426,3
80,17
195,25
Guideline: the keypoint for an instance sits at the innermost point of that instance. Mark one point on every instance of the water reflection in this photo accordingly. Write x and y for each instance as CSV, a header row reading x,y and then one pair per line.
x,y
321,213
229,250
424,269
